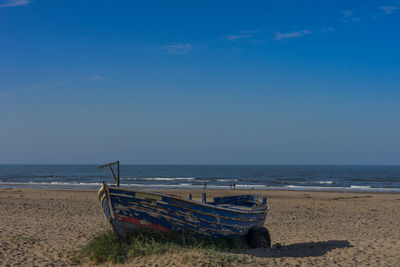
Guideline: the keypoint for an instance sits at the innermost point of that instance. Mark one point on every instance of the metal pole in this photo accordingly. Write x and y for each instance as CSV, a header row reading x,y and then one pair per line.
x,y
117,172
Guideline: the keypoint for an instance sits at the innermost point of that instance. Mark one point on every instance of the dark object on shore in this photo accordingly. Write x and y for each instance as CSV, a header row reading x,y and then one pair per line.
x,y
129,210
258,237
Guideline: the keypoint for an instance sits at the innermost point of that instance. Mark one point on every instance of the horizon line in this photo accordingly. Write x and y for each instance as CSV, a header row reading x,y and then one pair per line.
x,y
213,164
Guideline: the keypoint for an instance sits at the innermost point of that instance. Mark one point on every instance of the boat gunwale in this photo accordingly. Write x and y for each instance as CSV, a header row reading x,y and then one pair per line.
x,y
264,210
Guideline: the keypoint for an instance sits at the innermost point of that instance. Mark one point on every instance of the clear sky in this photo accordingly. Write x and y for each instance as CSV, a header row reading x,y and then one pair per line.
x,y
203,82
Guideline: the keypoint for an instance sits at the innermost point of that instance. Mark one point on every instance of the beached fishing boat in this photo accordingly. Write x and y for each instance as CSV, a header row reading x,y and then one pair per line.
x,y
129,210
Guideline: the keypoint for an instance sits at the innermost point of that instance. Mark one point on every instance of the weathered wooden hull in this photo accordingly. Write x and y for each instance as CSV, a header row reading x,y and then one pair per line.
x,y
128,210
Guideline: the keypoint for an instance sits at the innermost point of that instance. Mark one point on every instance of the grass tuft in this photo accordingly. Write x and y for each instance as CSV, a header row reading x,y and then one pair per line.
x,y
105,248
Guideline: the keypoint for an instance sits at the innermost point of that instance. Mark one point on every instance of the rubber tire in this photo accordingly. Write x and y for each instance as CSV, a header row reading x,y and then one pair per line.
x,y
258,237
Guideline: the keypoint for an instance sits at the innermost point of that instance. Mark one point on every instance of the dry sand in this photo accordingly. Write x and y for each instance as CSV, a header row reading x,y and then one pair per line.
x,y
43,226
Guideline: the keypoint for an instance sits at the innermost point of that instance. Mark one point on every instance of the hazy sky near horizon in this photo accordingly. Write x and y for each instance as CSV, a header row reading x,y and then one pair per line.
x,y
204,82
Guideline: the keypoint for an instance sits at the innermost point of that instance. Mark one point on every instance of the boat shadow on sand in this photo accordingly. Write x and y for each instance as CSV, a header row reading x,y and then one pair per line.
x,y
298,250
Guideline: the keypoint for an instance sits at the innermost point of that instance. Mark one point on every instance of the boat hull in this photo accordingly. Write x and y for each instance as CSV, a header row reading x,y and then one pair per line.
x,y
130,210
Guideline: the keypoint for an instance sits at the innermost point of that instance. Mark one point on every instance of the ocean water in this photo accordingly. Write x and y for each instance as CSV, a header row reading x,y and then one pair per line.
x,y
342,178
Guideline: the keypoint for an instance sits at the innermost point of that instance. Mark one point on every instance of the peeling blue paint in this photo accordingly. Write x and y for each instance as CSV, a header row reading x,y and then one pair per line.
x,y
226,216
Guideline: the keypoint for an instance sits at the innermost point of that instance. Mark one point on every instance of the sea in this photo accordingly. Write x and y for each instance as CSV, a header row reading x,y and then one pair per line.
x,y
267,177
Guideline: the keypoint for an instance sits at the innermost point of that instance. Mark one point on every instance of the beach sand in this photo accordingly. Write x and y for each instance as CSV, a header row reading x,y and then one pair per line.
x,y
44,226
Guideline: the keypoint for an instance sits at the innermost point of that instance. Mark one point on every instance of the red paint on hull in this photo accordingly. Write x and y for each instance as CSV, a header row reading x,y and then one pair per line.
x,y
144,223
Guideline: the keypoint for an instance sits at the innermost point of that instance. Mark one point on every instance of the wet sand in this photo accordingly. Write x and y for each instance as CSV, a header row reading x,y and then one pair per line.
x,y
43,226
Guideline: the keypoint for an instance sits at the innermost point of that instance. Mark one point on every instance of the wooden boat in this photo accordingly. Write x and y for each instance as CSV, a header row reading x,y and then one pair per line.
x,y
128,210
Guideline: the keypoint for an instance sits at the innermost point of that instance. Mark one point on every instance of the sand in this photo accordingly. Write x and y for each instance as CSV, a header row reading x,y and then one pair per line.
x,y
42,227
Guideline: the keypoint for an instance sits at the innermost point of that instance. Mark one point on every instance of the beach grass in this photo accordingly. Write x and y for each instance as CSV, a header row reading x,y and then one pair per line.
x,y
104,247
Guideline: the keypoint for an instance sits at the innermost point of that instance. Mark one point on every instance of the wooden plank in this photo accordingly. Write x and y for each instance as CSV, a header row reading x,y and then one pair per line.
x,y
148,196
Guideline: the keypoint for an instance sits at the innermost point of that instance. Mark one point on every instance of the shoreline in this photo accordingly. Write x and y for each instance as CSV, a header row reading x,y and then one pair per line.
x,y
149,187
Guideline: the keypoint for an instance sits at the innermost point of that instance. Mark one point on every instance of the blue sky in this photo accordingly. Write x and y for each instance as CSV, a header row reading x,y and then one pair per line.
x,y
200,82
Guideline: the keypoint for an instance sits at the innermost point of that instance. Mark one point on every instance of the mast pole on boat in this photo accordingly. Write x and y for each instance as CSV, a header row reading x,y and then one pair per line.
x,y
116,178
117,162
